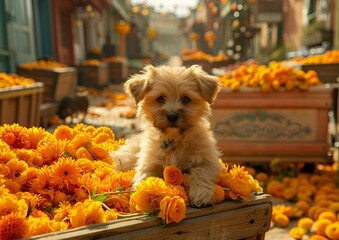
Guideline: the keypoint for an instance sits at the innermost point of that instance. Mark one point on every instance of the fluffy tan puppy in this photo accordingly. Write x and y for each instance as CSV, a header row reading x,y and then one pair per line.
x,y
174,109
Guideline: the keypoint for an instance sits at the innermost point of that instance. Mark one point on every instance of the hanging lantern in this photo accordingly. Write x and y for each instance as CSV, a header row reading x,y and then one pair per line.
x,y
234,7
209,37
193,36
151,33
122,28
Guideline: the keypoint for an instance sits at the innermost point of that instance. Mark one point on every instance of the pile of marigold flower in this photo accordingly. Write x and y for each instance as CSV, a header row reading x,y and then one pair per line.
x,y
274,77
313,200
42,64
10,80
329,57
56,181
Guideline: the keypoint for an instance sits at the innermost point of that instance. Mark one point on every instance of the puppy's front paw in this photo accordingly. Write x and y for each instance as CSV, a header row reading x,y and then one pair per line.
x,y
201,196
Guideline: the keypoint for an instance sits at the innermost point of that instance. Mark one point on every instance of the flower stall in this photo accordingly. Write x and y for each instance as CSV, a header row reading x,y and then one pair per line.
x,y
264,112
62,185
59,80
93,73
20,100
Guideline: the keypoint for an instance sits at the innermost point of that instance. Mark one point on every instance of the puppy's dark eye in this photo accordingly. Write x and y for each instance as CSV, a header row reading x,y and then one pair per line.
x,y
185,100
161,99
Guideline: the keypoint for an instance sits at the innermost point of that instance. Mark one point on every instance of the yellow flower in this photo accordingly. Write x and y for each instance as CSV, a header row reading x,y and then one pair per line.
x,y
30,156
219,194
110,215
305,223
85,213
10,204
15,136
82,152
16,168
281,220
65,174
328,215
63,132
172,209
149,194
42,181
173,175
6,155
104,129
332,230
13,226
240,188
320,226
36,134
297,233
41,225
51,149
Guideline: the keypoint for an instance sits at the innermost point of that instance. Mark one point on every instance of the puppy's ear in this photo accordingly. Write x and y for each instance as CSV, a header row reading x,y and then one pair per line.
x,y
209,85
139,84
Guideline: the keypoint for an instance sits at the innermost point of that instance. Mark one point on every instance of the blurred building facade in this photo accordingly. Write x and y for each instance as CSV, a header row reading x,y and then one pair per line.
x,y
71,31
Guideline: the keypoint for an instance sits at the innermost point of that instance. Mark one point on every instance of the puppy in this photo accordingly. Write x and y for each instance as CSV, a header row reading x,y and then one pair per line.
x,y
173,107
70,106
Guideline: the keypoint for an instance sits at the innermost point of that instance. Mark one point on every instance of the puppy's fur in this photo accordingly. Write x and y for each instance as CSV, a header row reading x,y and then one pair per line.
x,y
174,107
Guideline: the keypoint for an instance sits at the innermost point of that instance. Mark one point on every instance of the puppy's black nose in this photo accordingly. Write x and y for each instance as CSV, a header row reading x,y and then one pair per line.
x,y
172,117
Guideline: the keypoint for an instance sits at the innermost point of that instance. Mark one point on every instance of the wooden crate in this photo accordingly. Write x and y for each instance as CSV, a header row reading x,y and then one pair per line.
x,y
93,76
328,73
21,105
254,126
229,220
117,71
58,82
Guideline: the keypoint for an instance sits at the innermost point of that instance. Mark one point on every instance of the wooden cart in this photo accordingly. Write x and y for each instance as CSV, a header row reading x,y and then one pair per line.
x,y
229,220
254,126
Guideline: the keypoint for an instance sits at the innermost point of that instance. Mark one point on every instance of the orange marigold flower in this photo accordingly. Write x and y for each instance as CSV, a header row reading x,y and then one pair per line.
x,y
6,155
289,193
124,179
275,188
85,213
15,136
219,194
281,220
64,132
61,213
83,152
328,215
318,237
239,172
332,230
51,149
305,223
172,209
13,226
85,165
42,181
30,156
12,186
102,137
178,190
320,226
10,204
41,225
16,167
303,205
297,233
118,202
104,129
80,140
240,188
110,215
36,134
65,174
4,145
173,175
261,177
99,152
149,194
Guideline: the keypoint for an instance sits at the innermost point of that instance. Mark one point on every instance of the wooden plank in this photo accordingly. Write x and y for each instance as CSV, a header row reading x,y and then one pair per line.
x,y
222,221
